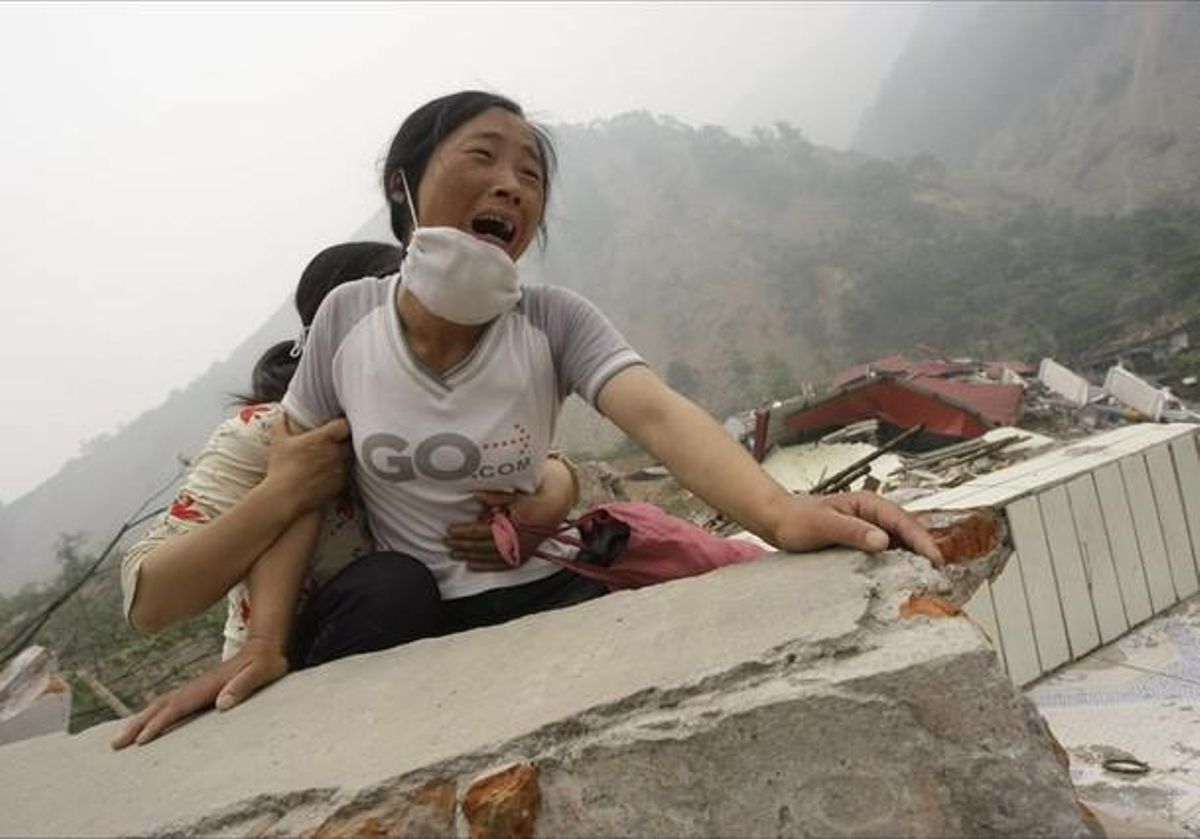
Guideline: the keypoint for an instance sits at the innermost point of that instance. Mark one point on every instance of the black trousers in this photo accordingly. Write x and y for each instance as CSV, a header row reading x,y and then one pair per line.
x,y
386,599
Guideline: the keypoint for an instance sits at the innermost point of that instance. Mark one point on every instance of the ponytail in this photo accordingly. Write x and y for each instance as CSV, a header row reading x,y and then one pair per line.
x,y
271,375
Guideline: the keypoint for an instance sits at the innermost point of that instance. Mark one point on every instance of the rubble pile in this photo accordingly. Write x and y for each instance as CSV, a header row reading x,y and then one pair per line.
x,y
34,698
908,428
1055,408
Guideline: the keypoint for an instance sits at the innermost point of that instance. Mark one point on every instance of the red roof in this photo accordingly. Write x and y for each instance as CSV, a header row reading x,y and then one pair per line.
x,y
899,365
944,406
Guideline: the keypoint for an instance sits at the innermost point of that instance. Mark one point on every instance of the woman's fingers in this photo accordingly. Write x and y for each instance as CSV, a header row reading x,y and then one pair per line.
x,y
311,465
829,526
892,518
336,430
860,520
480,554
488,565
473,543
469,531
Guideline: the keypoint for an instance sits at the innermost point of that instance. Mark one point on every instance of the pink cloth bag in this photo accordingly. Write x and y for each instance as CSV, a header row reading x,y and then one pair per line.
x,y
659,546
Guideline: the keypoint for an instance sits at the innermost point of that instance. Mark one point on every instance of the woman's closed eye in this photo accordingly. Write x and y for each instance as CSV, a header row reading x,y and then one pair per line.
x,y
481,153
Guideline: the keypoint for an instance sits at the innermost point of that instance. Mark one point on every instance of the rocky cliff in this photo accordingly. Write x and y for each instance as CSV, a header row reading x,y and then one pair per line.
x,y
1093,105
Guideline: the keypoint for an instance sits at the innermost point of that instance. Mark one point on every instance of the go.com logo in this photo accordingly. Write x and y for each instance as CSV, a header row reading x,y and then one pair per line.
x,y
442,457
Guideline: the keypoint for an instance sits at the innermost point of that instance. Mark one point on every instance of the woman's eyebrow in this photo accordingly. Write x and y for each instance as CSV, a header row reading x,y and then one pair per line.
x,y
497,137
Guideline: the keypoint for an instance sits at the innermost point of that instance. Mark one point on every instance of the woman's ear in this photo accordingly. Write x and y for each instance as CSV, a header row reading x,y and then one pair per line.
x,y
396,188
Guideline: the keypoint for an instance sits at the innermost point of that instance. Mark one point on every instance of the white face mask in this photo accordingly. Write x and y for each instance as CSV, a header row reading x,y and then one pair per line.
x,y
457,277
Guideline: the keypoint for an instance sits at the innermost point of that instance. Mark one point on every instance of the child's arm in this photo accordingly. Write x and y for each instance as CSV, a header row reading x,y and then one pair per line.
x,y
190,571
705,459
274,584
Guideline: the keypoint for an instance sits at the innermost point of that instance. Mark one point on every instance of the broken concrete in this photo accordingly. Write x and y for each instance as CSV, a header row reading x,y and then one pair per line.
x,y
784,697
34,698
1065,382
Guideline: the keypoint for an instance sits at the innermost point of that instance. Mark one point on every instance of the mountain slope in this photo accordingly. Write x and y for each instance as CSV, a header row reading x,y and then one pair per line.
x,y
101,488
1093,105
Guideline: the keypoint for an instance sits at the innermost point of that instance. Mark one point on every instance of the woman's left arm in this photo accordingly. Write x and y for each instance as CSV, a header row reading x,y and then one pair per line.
x,y
473,542
704,458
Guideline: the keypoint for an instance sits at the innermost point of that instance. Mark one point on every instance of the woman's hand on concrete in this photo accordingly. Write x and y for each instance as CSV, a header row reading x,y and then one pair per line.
x,y
309,468
260,662
472,542
860,520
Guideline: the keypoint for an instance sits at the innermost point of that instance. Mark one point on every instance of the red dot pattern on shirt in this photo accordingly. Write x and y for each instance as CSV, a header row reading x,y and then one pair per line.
x,y
185,508
521,437
251,411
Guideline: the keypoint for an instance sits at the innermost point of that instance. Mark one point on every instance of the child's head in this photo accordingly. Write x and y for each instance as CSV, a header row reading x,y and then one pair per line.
x,y
329,269
341,264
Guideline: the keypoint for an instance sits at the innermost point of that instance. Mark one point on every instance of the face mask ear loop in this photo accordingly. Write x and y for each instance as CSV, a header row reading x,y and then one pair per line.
x,y
298,345
408,199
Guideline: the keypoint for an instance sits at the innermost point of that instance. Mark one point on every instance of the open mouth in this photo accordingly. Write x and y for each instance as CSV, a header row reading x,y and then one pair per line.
x,y
493,227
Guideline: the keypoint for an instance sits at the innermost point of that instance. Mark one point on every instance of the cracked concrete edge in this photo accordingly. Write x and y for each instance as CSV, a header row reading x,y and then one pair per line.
x,y
895,575
654,718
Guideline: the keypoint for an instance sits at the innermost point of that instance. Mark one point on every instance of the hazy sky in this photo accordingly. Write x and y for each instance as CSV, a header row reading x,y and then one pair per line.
x,y
168,169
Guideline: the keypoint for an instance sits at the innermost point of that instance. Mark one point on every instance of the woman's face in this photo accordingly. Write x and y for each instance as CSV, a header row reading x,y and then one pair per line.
x,y
486,178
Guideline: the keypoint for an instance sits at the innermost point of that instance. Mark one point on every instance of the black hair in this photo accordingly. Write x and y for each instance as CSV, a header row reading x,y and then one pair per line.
x,y
329,269
340,264
426,127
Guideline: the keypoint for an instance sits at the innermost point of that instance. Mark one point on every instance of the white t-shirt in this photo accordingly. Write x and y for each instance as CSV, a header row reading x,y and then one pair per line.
x,y
424,443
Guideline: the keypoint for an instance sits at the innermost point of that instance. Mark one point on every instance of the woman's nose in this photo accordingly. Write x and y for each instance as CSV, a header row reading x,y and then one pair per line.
x,y
507,186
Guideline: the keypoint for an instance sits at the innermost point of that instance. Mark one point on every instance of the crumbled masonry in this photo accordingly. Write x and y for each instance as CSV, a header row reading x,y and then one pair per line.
x,y
831,694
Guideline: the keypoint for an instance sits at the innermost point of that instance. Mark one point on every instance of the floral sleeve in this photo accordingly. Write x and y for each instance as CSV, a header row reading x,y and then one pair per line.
x,y
231,463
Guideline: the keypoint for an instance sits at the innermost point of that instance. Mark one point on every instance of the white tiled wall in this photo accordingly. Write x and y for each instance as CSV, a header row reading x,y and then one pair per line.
x,y
1106,535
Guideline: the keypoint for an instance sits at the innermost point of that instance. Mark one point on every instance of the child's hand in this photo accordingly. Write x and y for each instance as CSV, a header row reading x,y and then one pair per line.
x,y
259,663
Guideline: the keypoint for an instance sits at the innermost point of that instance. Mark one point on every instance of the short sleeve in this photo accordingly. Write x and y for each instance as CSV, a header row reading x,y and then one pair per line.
x,y
311,398
587,349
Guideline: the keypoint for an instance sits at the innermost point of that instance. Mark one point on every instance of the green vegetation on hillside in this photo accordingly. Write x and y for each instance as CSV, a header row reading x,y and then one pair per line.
x,y
90,638
1027,283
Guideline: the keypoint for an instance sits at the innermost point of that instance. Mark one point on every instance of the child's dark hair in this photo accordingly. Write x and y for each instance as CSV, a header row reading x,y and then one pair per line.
x,y
329,269
426,127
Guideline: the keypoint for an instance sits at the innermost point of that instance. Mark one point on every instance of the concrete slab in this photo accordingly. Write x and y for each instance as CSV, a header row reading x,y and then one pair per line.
x,y
786,697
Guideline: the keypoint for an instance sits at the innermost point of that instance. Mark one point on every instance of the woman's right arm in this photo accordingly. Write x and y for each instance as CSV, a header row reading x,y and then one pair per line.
x,y
188,572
